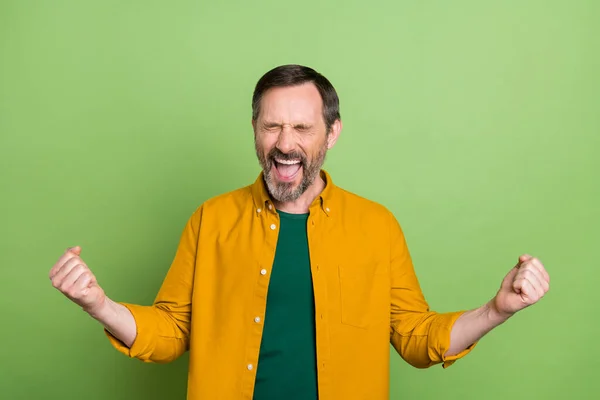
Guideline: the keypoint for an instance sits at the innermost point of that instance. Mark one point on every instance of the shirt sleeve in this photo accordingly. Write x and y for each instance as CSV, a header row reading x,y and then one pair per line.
x,y
163,328
419,335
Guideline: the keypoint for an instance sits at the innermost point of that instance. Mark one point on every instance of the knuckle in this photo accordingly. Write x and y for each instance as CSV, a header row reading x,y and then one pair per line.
x,y
79,269
72,293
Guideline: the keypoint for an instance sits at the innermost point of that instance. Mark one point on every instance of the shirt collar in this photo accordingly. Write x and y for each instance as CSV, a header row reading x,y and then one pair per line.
x,y
262,199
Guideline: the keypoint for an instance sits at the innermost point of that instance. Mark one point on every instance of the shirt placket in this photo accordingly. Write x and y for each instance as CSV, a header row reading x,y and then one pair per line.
x,y
268,231
316,227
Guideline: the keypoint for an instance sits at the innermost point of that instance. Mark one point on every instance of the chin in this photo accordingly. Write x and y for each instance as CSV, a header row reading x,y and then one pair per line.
x,y
284,191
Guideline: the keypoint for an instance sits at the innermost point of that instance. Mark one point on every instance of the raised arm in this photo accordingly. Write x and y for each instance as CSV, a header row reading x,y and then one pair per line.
x,y
424,337
71,276
523,286
156,333
419,335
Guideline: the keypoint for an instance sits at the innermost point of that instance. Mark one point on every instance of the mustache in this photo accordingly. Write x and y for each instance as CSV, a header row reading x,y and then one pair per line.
x,y
276,153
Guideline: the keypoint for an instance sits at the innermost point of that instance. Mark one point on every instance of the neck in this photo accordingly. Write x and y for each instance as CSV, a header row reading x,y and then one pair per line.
x,y
302,204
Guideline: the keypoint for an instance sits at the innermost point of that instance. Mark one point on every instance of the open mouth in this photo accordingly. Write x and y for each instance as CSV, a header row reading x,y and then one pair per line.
x,y
287,170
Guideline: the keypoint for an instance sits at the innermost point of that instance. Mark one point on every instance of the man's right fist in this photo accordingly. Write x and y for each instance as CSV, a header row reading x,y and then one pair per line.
x,y
73,278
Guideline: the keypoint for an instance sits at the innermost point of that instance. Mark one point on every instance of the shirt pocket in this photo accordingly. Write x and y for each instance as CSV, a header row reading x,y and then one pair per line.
x,y
358,288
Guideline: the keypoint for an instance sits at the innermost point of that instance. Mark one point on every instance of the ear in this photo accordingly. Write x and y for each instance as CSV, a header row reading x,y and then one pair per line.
x,y
334,133
254,125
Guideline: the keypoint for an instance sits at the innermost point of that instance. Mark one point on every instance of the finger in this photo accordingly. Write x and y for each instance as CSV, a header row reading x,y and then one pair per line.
x,y
526,290
83,283
530,268
60,263
540,267
524,258
72,276
65,270
75,250
67,255
510,277
537,282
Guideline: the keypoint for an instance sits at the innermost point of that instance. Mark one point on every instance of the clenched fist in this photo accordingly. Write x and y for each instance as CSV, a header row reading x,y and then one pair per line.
x,y
524,285
73,278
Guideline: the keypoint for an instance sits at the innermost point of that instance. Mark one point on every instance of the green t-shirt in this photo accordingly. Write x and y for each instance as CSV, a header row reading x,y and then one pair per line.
x,y
287,366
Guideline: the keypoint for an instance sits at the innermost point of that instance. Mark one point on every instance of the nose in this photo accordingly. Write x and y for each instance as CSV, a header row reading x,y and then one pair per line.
x,y
285,141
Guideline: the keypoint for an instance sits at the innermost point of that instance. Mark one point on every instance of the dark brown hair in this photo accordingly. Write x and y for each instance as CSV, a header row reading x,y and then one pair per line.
x,y
292,75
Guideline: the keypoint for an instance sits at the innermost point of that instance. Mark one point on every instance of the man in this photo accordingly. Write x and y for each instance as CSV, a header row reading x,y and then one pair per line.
x,y
293,288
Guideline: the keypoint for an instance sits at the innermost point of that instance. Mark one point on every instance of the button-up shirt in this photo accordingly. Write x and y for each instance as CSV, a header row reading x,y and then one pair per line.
x,y
366,296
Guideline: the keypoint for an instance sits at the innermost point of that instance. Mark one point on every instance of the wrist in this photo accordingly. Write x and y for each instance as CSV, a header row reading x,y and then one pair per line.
x,y
495,314
100,311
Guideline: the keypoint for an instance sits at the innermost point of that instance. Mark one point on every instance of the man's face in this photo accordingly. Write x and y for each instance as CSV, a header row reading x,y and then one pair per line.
x,y
291,139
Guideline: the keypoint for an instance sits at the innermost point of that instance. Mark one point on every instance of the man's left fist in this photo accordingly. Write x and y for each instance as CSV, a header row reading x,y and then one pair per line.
x,y
524,285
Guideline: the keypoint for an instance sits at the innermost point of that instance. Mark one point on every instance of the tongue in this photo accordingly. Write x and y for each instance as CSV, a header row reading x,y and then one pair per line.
x,y
287,171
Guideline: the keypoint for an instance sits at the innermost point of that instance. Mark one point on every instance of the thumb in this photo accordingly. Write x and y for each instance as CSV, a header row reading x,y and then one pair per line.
x,y
509,278
524,257
75,250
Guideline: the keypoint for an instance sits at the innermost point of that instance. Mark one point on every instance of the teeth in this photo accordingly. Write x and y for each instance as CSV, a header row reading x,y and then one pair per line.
x,y
288,162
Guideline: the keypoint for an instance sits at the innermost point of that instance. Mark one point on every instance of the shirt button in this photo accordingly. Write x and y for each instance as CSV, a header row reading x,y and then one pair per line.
x,y
263,271
273,226
327,209
270,207
257,319
258,210
250,366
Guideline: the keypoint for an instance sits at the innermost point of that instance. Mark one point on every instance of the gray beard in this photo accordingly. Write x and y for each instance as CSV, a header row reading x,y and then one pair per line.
x,y
285,191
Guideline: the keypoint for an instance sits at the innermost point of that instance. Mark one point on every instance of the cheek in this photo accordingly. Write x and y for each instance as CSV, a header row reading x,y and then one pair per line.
x,y
314,148
264,143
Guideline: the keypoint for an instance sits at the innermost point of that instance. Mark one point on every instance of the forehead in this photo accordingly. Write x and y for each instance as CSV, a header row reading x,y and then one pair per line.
x,y
292,104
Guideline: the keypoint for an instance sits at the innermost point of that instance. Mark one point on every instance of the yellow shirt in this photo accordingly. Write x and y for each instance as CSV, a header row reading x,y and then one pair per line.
x,y
213,299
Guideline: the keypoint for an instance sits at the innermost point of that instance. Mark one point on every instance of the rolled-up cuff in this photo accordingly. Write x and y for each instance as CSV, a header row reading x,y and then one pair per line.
x,y
442,333
143,342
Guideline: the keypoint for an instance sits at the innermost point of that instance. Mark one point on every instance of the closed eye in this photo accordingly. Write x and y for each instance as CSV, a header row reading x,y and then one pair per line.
x,y
271,126
274,126
302,127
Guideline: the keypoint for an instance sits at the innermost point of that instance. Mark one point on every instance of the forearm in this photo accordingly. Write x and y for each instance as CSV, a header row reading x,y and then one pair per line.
x,y
117,319
472,326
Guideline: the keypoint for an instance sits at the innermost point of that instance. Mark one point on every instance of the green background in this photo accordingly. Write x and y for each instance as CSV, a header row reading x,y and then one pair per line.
x,y
477,123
